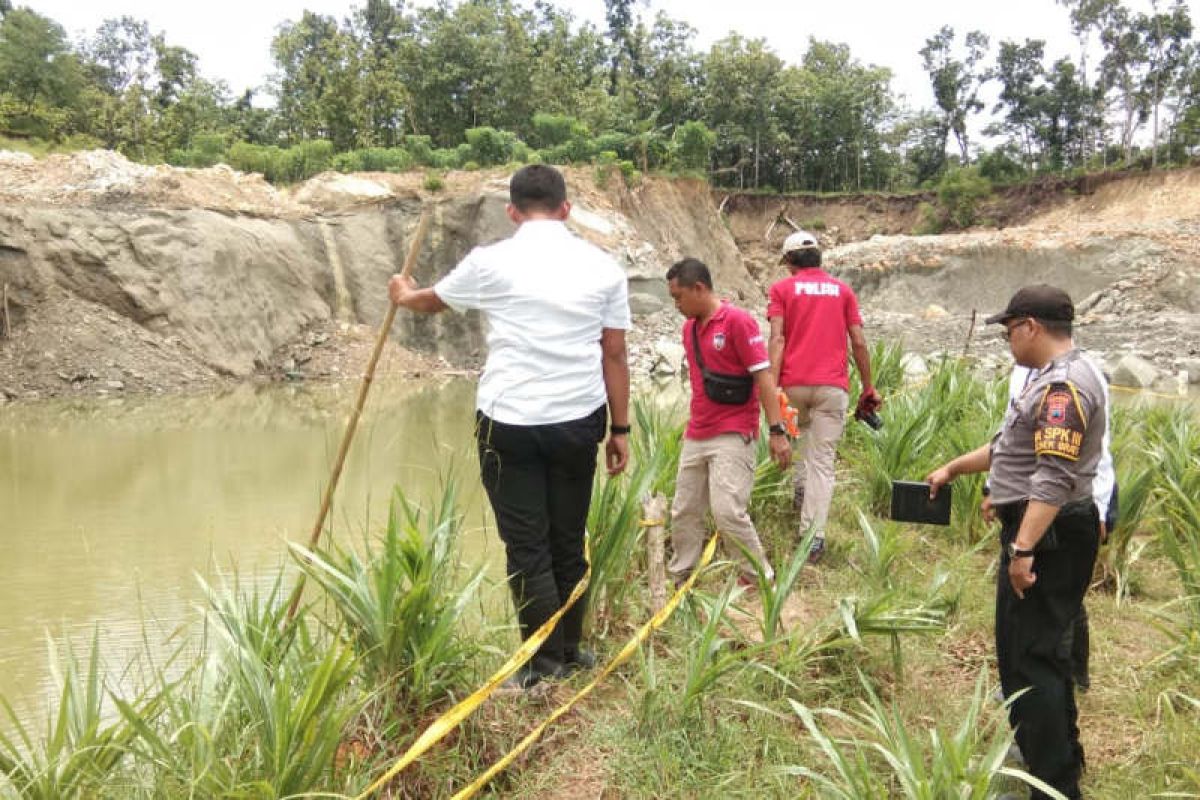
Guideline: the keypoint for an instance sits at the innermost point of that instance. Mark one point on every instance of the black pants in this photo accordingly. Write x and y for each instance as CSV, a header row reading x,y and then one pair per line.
x,y
538,479
1030,647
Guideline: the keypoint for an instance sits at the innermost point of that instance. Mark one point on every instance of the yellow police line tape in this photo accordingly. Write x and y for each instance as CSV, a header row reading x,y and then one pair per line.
x,y
448,721
1144,393
627,651
452,718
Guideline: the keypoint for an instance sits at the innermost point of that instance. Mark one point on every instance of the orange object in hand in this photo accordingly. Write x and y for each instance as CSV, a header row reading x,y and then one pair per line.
x,y
789,415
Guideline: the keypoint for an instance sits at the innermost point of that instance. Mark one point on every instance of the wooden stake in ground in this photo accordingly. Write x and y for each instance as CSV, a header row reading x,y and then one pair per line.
x,y
970,333
352,424
653,509
7,327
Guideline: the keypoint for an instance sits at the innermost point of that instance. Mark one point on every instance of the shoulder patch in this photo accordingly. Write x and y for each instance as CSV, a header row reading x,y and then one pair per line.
x,y
1060,422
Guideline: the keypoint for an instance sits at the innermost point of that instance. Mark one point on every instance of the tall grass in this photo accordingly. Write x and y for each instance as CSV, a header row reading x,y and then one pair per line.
x,y
401,604
873,754
81,747
260,712
925,426
615,517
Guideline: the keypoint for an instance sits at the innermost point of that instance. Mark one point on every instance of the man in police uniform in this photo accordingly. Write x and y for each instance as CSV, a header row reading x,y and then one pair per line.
x,y
1042,465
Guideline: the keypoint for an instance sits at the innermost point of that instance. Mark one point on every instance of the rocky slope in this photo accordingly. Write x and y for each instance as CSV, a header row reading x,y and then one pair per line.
x,y
121,277
124,277
1128,250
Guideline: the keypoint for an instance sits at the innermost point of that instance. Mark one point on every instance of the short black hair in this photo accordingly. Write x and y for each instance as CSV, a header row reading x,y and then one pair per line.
x,y
689,272
1059,328
537,187
808,257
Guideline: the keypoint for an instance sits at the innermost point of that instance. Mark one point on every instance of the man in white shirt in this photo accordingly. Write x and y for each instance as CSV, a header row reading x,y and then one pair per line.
x,y
556,310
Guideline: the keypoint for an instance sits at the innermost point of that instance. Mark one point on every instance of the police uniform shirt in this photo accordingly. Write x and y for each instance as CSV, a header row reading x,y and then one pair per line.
x,y
1052,440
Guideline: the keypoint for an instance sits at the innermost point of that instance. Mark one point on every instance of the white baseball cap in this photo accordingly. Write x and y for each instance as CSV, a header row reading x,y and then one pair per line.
x,y
800,240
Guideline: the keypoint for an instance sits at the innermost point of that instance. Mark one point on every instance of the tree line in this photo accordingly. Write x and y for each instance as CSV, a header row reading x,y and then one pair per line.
x,y
484,82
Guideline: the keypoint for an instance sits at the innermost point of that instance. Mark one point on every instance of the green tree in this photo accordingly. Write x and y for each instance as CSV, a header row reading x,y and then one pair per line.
x,y
741,92
317,85
956,80
380,30
36,62
1166,36
1019,69
834,114
693,146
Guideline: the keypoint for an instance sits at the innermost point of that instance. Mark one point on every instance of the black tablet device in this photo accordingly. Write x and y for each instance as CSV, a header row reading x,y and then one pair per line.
x,y
911,503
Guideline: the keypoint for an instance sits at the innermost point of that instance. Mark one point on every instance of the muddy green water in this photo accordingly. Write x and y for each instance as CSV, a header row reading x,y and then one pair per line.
x,y
109,510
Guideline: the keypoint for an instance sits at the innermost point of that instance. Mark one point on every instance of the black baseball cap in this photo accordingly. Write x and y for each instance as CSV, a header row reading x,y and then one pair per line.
x,y
1039,302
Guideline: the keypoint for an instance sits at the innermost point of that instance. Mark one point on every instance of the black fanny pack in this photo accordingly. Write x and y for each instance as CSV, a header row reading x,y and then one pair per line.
x,y
731,390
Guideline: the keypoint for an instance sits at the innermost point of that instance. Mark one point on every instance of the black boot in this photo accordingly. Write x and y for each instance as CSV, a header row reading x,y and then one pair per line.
x,y
537,600
571,625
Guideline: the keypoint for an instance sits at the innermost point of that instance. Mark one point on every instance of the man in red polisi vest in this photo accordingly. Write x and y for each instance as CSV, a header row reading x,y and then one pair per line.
x,y
730,379
812,316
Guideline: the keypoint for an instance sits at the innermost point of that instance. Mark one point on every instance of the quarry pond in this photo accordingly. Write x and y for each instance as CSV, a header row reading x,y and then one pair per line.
x,y
111,510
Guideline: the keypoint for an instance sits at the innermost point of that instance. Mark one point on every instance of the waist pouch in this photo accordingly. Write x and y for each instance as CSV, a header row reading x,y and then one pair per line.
x,y
733,390
730,390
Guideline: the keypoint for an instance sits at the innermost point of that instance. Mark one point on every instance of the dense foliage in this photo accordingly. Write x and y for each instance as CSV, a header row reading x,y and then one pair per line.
x,y
469,83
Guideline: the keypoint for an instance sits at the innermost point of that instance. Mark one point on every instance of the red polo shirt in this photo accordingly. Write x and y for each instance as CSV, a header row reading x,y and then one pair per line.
x,y
731,343
817,311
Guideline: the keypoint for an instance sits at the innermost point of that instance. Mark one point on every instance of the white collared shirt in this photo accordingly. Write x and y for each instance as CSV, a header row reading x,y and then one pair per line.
x,y
545,295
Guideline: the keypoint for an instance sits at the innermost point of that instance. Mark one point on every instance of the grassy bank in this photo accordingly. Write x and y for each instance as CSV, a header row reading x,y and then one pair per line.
x,y
867,677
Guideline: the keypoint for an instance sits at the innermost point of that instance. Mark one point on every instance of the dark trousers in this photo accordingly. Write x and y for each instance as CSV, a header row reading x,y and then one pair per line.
x,y
1031,650
538,479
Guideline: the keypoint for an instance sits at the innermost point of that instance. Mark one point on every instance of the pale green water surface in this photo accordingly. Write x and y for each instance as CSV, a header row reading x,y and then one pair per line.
x,y
109,509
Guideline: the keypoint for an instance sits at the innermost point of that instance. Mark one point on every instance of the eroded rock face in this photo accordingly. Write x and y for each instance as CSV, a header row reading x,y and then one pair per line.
x,y
236,290
1132,289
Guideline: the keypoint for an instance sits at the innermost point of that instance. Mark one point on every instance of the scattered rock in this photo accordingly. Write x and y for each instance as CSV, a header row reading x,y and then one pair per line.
x,y
668,358
934,311
116,386
641,304
914,367
1192,367
1135,372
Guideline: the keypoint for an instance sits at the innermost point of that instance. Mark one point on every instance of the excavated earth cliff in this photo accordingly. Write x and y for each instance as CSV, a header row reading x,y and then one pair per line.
x,y
1127,248
121,277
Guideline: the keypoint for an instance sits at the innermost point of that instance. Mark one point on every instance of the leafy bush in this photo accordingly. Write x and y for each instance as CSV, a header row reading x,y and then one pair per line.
x,y
692,146
491,147
401,606
550,130
420,148
433,182
606,165
959,194
373,159
930,221
1000,167
282,165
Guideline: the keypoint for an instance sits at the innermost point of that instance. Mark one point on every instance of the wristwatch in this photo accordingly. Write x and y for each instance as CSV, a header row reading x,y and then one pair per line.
x,y
777,429
618,430
1016,552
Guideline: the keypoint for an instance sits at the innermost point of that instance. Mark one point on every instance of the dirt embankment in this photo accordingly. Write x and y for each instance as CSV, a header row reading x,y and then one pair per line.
x,y
1127,247
122,277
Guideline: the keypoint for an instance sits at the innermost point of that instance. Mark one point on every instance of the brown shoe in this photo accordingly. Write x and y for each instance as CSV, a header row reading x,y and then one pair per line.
x,y
817,551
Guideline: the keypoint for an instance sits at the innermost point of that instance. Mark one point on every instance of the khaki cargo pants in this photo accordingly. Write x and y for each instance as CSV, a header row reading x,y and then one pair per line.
x,y
822,417
716,474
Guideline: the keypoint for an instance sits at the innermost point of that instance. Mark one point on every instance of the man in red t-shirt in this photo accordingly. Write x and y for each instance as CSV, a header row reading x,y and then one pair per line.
x,y
812,315
717,462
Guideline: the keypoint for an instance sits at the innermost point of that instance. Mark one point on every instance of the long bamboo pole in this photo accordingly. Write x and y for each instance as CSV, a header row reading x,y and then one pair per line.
x,y
414,250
